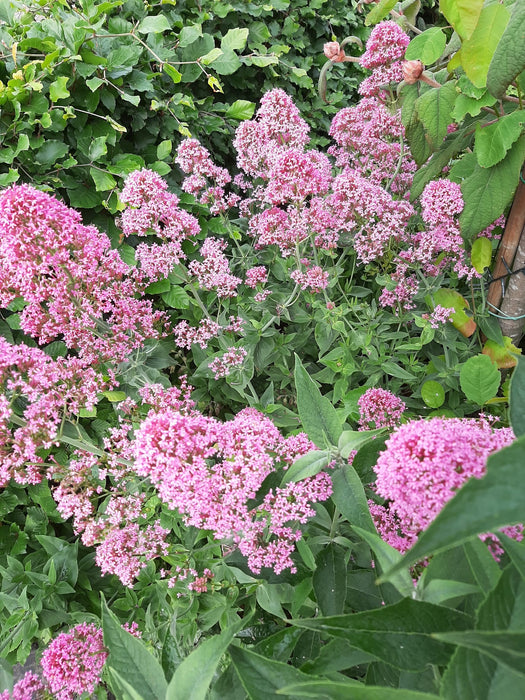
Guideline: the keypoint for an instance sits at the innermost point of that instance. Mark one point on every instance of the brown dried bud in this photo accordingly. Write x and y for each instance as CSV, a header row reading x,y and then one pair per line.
x,y
334,52
412,71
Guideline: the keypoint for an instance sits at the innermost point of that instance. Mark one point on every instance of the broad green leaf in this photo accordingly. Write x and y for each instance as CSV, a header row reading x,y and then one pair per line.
x,y
463,15
227,63
475,676
351,690
507,648
189,34
279,646
380,11
478,50
508,60
414,130
434,108
386,556
517,398
309,464
440,590
51,151
211,56
103,180
427,47
240,109
130,658
494,140
479,378
351,440
154,24
329,580
164,149
481,254
193,676
268,598
516,552
262,677
97,148
483,567
349,496
432,393
398,634
235,39
114,396
395,370
318,417
172,72
158,287
120,687
471,105
58,89
488,191
481,505
177,298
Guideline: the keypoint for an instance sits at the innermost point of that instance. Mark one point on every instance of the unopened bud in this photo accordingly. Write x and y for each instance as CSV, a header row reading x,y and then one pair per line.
x,y
412,71
334,52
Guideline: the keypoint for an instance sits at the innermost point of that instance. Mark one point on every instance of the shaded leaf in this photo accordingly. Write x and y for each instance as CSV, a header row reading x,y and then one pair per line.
x,y
329,580
517,398
508,60
309,464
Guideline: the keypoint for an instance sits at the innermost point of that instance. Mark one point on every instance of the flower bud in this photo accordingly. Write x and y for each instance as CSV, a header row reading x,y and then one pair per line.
x,y
334,52
412,71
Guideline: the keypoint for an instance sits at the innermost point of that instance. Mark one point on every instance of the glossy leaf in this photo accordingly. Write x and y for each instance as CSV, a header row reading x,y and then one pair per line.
x,y
481,254
433,394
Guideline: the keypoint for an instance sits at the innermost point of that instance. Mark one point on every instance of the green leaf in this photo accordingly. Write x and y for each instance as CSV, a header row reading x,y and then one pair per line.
x,y
472,675
309,464
493,141
398,634
349,496
121,688
240,109
387,557
427,47
189,34
97,148
211,56
154,25
130,658
176,298
488,191
103,180
395,370
433,394
114,396
172,72
380,11
463,15
466,104
351,440
440,590
508,648
329,580
318,417
269,599
50,152
481,254
58,89
227,63
434,108
517,398
235,39
158,287
164,149
478,50
508,60
262,677
479,378
194,675
481,505
351,690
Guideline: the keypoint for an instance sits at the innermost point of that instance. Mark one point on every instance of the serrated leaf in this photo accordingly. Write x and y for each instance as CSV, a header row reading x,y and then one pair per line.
x,y
494,140
318,417
427,47
130,658
471,105
488,191
154,24
508,60
478,50
309,464
398,634
463,15
479,378
481,505
434,109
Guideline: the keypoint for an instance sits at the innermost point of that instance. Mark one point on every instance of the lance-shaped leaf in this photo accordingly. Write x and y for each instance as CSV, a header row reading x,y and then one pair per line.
x,y
352,690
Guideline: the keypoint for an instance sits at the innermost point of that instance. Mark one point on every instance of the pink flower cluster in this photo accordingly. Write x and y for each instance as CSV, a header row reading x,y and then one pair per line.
x,y
385,48
209,471
315,279
213,273
380,408
74,285
30,687
425,462
223,365
72,664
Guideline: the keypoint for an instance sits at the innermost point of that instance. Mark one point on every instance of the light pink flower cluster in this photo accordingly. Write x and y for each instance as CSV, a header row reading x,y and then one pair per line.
x,y
53,390
256,275
186,336
75,286
213,273
205,180
30,687
315,279
72,664
231,359
209,471
380,408
385,48
439,316
190,577
425,462
295,174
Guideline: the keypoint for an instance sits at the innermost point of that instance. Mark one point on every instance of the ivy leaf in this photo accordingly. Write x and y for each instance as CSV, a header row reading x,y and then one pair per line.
x,y
508,60
493,141
434,108
427,47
